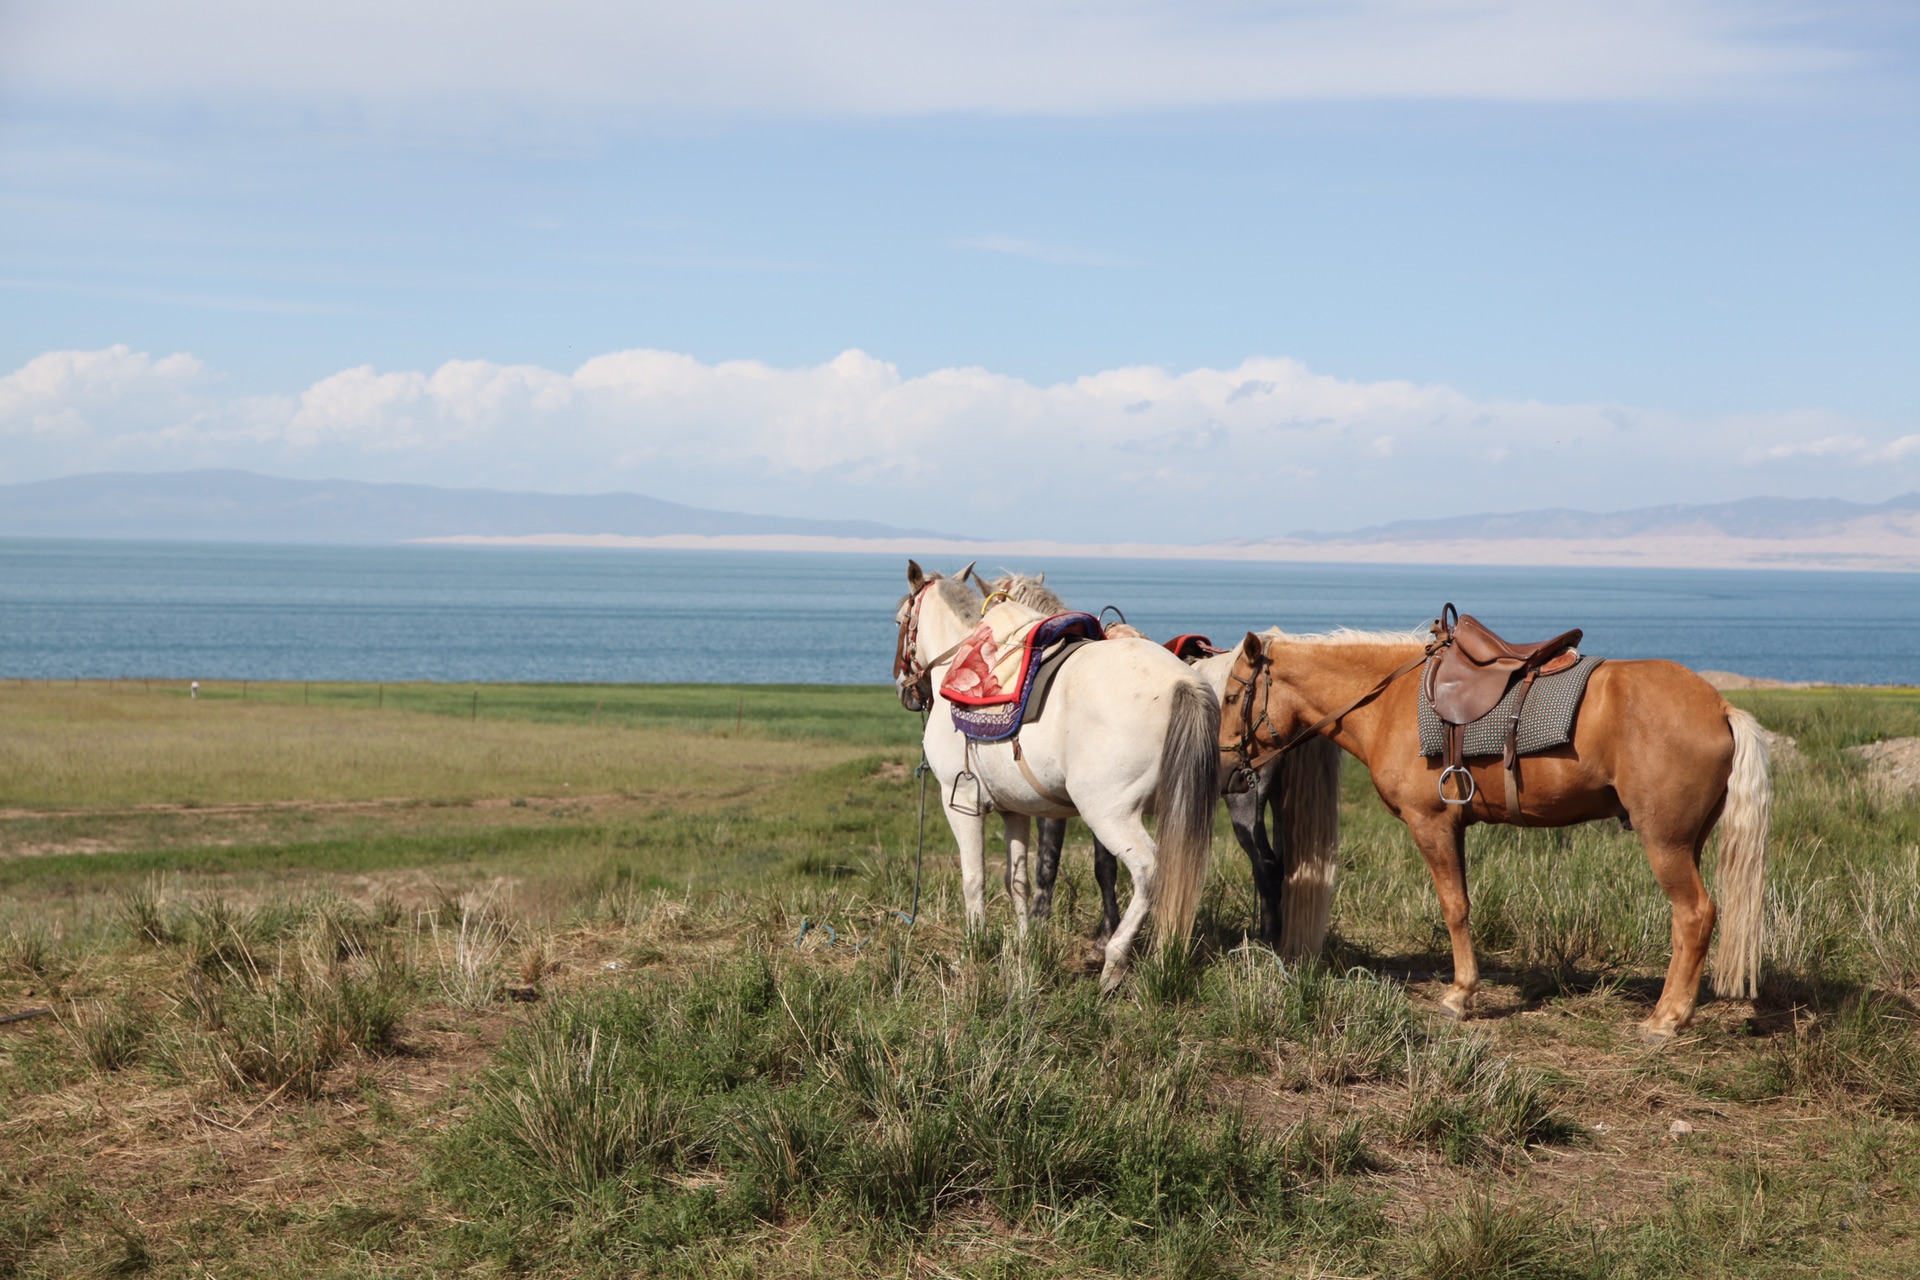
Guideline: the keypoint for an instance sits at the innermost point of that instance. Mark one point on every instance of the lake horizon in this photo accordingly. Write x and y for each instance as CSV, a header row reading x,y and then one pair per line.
x,y
105,609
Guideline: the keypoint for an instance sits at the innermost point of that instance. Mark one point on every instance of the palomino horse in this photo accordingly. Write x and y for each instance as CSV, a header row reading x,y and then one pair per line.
x,y
1293,863
1129,730
1654,746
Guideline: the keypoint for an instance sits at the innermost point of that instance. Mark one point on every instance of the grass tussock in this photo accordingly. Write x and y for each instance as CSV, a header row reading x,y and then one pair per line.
x,y
1482,1239
29,951
284,1033
110,1035
1474,1107
1866,1049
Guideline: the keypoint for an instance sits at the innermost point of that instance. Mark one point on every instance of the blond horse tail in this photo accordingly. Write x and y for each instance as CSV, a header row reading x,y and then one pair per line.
x,y
1188,795
1741,879
1309,785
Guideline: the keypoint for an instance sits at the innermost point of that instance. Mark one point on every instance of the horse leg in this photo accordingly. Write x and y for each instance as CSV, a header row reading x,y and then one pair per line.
x,y
1248,812
1127,837
1049,835
1676,865
1442,841
1106,874
970,834
1019,830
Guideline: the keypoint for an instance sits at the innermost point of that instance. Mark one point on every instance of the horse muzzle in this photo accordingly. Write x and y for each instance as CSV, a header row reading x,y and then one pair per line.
x,y
915,694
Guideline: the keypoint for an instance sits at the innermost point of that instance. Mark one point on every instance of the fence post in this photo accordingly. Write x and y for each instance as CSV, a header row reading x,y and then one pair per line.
x,y
475,713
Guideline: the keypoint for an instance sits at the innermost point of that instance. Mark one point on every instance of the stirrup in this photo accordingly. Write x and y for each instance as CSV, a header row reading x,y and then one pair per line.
x,y
977,807
1462,770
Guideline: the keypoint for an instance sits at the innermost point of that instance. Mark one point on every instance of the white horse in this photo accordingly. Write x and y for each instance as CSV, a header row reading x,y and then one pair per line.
x,y
1129,730
1294,862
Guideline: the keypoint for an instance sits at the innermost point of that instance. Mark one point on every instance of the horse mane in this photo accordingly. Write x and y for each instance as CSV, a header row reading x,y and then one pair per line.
x,y
959,596
1030,590
1347,636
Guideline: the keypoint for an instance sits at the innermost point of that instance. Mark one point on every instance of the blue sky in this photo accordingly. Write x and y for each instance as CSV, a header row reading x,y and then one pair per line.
x,y
1103,269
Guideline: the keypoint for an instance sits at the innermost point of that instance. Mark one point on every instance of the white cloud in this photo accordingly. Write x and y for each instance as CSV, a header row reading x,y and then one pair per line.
x,y
863,57
63,393
1849,447
1265,446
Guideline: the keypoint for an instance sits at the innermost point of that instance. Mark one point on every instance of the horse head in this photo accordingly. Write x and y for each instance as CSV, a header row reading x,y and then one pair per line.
x,y
912,671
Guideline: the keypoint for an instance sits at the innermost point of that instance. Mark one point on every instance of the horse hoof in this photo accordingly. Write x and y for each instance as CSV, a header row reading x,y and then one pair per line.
x,y
1653,1037
1110,982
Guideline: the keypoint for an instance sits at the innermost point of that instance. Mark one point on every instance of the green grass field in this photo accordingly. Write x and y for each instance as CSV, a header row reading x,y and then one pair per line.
x,y
608,981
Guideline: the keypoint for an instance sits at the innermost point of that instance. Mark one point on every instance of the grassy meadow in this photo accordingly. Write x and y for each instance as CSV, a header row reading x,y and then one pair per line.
x,y
610,981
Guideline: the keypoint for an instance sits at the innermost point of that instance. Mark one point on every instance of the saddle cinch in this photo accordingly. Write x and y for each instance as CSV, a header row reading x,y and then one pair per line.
x,y
1470,671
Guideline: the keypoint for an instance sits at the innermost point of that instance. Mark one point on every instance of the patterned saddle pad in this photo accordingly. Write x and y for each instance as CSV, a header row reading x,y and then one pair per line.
x,y
1545,722
993,672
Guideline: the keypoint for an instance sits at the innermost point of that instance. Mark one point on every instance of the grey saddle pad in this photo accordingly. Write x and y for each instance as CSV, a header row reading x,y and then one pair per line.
x,y
1546,721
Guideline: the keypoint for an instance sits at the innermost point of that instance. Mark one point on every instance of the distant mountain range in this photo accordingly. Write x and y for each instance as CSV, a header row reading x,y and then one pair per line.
x,y
242,506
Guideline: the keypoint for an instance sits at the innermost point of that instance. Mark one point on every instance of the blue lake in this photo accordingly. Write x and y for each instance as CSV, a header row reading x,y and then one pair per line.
x,y
229,612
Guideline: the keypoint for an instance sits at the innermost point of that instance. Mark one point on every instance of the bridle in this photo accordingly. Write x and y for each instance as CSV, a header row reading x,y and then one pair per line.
x,y
1249,757
912,678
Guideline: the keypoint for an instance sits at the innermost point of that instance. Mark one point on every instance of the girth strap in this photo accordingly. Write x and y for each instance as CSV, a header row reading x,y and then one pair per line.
x,y
1026,771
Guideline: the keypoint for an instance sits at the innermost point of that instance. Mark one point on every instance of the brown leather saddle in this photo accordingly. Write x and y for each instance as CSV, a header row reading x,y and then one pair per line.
x,y
1469,673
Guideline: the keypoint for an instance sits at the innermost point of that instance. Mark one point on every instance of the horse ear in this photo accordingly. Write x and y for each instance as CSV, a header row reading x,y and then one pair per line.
x,y
1253,648
916,576
963,574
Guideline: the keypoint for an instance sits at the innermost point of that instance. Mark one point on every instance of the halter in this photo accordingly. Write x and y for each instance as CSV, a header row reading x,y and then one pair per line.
x,y
1248,754
912,678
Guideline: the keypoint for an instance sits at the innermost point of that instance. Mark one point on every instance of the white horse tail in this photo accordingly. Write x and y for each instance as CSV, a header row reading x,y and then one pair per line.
x,y
1189,793
1742,876
1309,784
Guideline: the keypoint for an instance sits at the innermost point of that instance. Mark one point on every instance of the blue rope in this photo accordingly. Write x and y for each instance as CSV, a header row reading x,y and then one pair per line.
x,y
807,926
908,918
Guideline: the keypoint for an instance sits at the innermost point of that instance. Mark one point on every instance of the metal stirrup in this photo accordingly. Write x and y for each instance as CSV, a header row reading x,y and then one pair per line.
x,y
1462,770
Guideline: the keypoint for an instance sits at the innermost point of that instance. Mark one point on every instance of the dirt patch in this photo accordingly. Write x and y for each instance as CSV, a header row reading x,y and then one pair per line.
x,y
28,833
307,806
1894,764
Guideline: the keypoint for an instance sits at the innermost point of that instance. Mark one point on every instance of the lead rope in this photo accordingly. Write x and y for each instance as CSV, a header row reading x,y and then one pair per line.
x,y
910,917
920,771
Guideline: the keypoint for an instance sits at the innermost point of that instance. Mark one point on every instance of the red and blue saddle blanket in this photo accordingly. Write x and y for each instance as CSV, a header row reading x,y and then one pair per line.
x,y
993,671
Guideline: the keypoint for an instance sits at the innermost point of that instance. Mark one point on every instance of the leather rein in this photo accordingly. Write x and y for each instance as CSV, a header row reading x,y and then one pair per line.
x,y
1248,755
